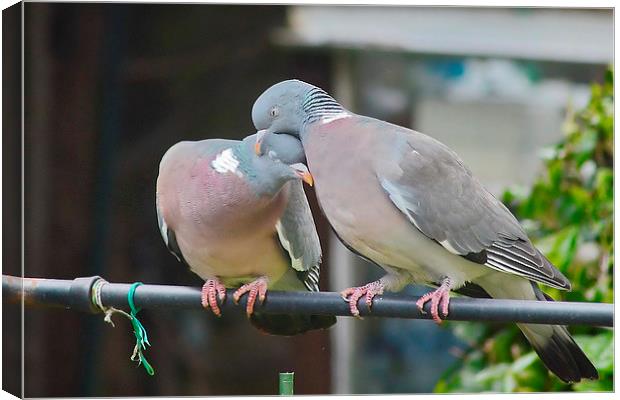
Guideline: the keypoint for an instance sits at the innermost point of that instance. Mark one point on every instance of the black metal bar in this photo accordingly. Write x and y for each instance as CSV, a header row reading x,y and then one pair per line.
x,y
75,294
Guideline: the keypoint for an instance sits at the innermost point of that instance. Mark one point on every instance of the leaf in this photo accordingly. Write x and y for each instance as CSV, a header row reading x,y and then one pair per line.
x,y
586,143
460,377
468,332
492,374
509,383
604,183
564,247
502,345
520,364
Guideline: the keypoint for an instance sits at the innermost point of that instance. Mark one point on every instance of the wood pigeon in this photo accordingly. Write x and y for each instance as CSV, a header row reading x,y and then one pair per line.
x,y
408,203
237,219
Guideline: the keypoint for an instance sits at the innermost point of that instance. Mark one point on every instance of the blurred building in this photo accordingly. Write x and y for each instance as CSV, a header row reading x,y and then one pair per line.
x,y
109,87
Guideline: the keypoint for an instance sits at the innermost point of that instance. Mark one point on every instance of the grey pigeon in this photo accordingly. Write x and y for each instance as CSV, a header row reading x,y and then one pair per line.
x,y
408,203
238,219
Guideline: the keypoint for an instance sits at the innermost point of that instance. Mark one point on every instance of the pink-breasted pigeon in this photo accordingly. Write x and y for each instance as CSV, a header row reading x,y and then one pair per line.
x,y
237,219
409,204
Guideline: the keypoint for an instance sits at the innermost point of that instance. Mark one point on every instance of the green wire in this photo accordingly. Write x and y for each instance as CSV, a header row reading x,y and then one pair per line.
x,y
138,329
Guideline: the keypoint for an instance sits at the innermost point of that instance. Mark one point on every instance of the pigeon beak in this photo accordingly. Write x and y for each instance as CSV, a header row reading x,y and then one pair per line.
x,y
307,177
259,141
302,171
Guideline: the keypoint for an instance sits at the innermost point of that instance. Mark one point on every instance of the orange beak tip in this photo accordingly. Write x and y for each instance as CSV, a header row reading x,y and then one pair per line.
x,y
257,148
307,177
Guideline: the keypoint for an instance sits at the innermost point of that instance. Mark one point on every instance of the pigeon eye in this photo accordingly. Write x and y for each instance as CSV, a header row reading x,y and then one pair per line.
x,y
274,112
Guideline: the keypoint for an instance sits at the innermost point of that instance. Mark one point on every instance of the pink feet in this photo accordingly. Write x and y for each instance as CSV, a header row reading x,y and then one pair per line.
x,y
441,295
254,288
352,295
211,290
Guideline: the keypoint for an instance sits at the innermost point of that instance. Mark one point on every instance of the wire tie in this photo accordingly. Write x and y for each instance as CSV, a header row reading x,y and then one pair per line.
x,y
138,329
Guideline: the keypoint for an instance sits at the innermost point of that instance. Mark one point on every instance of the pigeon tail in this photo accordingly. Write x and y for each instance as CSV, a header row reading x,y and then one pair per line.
x,y
559,352
553,344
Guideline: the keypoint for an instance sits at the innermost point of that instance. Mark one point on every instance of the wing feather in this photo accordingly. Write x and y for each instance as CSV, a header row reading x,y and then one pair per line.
x,y
298,236
168,235
439,195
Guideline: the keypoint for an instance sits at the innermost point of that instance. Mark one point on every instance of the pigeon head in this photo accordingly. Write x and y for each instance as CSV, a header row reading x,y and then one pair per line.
x,y
288,105
279,108
283,161
281,147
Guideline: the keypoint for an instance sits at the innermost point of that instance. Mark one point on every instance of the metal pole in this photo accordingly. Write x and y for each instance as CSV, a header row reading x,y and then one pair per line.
x,y
75,294
287,383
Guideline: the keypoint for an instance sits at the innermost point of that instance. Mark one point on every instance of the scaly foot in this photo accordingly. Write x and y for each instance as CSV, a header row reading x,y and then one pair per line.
x,y
211,290
254,288
352,295
441,295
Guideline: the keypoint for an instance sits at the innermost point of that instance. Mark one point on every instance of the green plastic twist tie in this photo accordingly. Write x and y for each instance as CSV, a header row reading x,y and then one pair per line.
x,y
138,329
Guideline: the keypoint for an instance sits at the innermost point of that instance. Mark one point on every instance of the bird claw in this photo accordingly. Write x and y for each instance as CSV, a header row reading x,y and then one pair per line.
x,y
369,291
257,288
438,297
211,291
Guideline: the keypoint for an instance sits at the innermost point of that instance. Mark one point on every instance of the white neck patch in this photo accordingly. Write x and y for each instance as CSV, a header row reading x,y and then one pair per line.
x,y
333,117
226,162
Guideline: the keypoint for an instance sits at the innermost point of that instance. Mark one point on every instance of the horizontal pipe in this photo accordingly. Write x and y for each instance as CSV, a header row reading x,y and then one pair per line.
x,y
76,294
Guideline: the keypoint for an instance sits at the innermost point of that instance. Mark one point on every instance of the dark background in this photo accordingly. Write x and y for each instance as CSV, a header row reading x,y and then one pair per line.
x,y
108,89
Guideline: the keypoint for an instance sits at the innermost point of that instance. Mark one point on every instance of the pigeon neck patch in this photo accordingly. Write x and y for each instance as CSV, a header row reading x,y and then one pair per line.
x,y
333,117
226,162
318,106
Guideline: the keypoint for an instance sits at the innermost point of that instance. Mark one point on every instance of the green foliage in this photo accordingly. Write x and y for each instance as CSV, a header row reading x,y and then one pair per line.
x,y
568,213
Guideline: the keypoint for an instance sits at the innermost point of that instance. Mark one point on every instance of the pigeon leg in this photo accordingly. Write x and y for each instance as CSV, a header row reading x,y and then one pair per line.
x,y
352,295
257,288
393,281
211,290
441,295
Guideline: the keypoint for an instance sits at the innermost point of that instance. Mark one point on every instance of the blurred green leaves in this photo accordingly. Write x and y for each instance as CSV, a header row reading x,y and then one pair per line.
x,y
568,213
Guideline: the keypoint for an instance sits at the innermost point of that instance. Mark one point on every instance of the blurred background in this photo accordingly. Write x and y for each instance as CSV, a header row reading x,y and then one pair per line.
x,y
110,87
